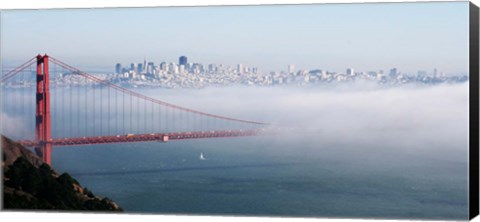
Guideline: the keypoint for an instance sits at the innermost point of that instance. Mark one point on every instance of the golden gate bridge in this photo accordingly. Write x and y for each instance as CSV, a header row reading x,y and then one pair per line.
x,y
91,110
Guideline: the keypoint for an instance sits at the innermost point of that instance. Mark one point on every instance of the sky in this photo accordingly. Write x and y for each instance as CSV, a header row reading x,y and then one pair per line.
x,y
408,36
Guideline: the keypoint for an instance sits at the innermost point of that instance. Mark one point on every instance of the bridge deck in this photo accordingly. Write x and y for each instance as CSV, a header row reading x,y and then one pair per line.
x,y
164,137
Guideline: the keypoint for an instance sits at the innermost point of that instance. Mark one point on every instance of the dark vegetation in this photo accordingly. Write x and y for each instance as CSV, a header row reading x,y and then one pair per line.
x,y
27,186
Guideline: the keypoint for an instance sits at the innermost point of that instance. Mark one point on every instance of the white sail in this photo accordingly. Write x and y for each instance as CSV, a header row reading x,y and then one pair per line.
x,y
201,156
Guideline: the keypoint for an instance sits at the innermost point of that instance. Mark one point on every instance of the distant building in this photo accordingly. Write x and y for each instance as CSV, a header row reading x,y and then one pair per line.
x,y
140,68
163,66
182,60
212,68
291,68
421,73
144,64
350,72
380,75
150,68
393,73
240,68
195,68
173,68
118,68
181,69
189,66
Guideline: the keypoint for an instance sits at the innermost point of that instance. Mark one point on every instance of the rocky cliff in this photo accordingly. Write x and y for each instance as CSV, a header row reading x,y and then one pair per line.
x,y
30,184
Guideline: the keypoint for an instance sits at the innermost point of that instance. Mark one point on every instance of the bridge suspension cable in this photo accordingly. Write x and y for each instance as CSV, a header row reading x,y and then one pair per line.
x,y
141,96
86,109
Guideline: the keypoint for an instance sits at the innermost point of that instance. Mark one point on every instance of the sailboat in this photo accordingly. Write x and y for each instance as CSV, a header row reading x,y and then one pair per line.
x,y
201,157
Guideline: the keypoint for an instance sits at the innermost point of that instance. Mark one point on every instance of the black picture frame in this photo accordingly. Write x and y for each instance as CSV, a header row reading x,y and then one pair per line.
x,y
474,111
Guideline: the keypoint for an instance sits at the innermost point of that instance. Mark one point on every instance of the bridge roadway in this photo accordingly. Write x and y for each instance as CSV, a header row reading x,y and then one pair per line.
x,y
162,137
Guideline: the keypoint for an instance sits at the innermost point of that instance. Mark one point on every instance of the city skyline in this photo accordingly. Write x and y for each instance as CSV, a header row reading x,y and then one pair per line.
x,y
196,75
288,68
364,36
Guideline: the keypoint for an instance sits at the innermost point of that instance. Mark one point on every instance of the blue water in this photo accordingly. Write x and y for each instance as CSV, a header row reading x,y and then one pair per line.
x,y
263,176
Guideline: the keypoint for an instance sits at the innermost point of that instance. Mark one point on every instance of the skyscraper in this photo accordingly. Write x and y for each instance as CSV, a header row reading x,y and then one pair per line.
x,y
144,63
150,68
393,73
181,69
140,68
118,68
350,72
240,68
173,68
291,68
182,60
163,66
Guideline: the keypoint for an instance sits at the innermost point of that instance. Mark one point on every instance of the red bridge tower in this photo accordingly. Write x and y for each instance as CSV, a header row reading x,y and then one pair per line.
x,y
42,115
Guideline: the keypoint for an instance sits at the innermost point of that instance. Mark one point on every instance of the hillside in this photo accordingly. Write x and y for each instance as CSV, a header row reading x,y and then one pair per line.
x,y
30,184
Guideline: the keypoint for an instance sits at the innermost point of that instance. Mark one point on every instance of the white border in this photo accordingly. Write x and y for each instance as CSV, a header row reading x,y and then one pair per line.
x,y
73,217
35,4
